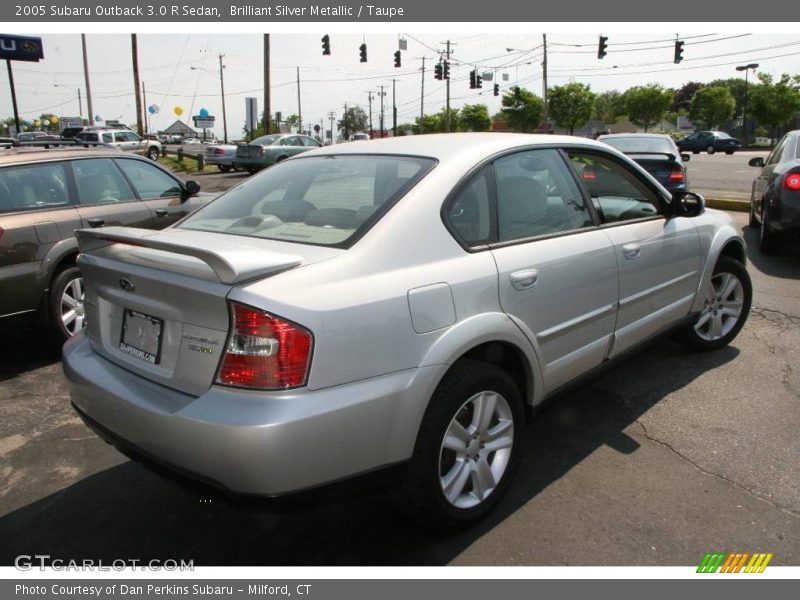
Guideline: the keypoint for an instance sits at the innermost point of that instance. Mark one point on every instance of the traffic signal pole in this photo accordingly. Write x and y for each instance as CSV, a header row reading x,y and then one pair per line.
x,y
13,95
447,114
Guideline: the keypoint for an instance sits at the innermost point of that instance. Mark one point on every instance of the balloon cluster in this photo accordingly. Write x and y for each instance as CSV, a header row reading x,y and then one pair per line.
x,y
153,109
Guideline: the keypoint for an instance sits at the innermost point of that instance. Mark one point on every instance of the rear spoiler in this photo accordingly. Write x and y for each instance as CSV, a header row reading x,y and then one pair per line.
x,y
231,262
669,155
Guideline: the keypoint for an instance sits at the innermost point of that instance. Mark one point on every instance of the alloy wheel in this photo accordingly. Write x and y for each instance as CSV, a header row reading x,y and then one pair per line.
x,y
72,310
722,307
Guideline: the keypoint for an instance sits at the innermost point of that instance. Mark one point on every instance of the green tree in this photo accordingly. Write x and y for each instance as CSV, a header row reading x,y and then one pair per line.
x,y
475,117
736,87
403,128
427,124
775,103
259,131
354,120
712,106
571,105
522,109
608,106
682,97
647,104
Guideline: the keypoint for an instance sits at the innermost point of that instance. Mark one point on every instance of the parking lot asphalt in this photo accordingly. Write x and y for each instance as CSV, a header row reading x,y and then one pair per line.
x,y
722,176
666,457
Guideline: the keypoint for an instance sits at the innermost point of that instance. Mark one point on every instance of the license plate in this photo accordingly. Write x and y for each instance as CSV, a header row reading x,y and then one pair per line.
x,y
141,336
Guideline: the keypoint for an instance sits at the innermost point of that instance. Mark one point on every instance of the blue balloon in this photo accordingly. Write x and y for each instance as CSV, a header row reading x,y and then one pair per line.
x,y
204,112
98,118
151,109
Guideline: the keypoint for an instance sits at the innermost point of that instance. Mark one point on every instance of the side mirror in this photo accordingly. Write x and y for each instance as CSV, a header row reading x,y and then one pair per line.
x,y
687,204
758,161
190,188
685,157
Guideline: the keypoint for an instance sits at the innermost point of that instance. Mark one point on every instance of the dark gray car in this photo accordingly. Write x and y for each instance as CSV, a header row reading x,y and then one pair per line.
x,y
45,195
267,150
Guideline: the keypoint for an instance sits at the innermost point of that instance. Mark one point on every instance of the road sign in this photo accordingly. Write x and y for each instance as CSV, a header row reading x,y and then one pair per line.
x,y
316,128
251,114
18,47
65,122
203,122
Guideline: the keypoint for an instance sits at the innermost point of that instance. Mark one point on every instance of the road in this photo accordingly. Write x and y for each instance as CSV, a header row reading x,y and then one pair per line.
x,y
664,458
721,176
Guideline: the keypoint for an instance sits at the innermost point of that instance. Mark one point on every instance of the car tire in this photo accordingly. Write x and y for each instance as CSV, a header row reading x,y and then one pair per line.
x,y
66,302
224,168
695,151
153,152
753,222
725,308
280,158
252,170
769,242
711,150
453,447
729,152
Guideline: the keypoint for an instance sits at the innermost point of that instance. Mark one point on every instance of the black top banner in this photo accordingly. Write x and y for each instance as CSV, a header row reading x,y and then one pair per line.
x,y
395,10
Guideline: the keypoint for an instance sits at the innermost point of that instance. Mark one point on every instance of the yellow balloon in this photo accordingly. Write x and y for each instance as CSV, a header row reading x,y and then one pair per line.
x,y
178,111
53,120
37,123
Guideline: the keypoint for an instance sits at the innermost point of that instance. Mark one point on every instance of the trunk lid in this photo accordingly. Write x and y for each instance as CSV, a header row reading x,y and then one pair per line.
x,y
156,301
659,166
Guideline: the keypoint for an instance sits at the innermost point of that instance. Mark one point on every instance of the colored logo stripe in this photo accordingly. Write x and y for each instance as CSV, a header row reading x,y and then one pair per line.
x,y
734,562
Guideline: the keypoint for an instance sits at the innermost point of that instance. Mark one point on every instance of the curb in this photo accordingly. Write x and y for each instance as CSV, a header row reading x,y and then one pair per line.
x,y
728,204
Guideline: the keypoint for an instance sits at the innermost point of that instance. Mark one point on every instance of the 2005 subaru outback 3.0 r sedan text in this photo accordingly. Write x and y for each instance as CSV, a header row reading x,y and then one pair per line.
x,y
395,301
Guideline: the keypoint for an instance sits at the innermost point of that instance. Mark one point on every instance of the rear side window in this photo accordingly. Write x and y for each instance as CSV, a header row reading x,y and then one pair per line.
x,y
99,181
469,214
29,187
328,201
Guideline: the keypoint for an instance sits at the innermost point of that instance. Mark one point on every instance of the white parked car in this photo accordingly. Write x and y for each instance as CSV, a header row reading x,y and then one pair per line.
x,y
122,139
401,301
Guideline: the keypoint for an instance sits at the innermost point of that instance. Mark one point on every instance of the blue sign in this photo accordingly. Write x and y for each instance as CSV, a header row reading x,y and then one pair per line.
x,y
18,47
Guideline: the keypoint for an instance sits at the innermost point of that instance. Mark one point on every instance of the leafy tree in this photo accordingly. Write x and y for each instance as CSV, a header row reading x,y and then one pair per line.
x,y
647,104
736,87
428,124
775,103
571,105
475,117
608,106
712,106
682,98
522,109
354,120
402,128
259,131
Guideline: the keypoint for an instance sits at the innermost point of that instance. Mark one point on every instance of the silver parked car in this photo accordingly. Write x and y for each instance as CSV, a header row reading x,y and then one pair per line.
x,y
398,301
222,155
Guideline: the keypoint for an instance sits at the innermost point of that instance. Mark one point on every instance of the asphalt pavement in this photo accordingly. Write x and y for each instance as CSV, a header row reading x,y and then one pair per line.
x,y
664,458
720,176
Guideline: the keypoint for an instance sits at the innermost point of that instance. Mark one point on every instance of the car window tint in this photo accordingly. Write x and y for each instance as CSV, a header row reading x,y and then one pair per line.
x,y
107,138
469,211
149,181
27,187
100,182
316,200
617,193
536,195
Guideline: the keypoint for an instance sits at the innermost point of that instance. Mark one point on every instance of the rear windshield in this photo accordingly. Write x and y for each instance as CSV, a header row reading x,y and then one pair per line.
x,y
320,200
640,145
265,140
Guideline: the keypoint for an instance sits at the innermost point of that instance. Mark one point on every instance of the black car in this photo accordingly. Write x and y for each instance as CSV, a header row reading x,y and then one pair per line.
x,y
657,154
775,198
711,142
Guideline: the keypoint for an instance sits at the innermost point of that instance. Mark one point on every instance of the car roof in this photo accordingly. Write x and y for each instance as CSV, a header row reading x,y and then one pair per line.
x,y
37,154
635,135
452,147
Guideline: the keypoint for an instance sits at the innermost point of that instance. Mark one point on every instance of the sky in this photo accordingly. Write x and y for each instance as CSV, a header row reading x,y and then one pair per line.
x,y
327,83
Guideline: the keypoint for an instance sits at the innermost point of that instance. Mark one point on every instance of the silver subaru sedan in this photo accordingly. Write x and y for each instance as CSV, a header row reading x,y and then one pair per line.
x,y
397,302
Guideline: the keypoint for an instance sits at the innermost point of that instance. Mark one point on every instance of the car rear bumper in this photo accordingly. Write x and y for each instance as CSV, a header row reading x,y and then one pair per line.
x,y
785,219
265,444
253,162
218,160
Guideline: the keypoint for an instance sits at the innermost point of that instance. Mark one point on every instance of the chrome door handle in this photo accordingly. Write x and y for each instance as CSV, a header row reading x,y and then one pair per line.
x,y
522,280
161,212
631,250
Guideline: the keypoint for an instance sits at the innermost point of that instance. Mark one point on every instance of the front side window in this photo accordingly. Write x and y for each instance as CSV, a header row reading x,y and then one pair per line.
x,y
149,181
537,195
775,155
323,200
616,192
28,187
99,181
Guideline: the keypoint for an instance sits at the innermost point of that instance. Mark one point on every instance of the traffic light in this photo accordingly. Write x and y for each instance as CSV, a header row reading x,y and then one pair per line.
x,y
472,82
679,51
362,52
397,59
601,47
478,80
446,71
437,71
326,45
496,89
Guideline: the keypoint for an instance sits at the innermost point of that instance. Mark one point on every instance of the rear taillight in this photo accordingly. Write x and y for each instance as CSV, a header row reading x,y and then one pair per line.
x,y
677,174
792,181
219,151
264,351
261,150
589,175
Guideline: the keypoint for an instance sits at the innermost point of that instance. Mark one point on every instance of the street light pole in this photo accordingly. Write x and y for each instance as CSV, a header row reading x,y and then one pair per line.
x,y
746,69
222,93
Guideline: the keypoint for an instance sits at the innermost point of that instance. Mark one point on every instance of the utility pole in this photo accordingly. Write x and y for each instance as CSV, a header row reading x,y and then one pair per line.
x,y
381,94
222,93
422,92
80,104
135,53
394,108
86,77
369,96
544,82
144,104
447,114
346,131
13,95
267,107
299,109
332,117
